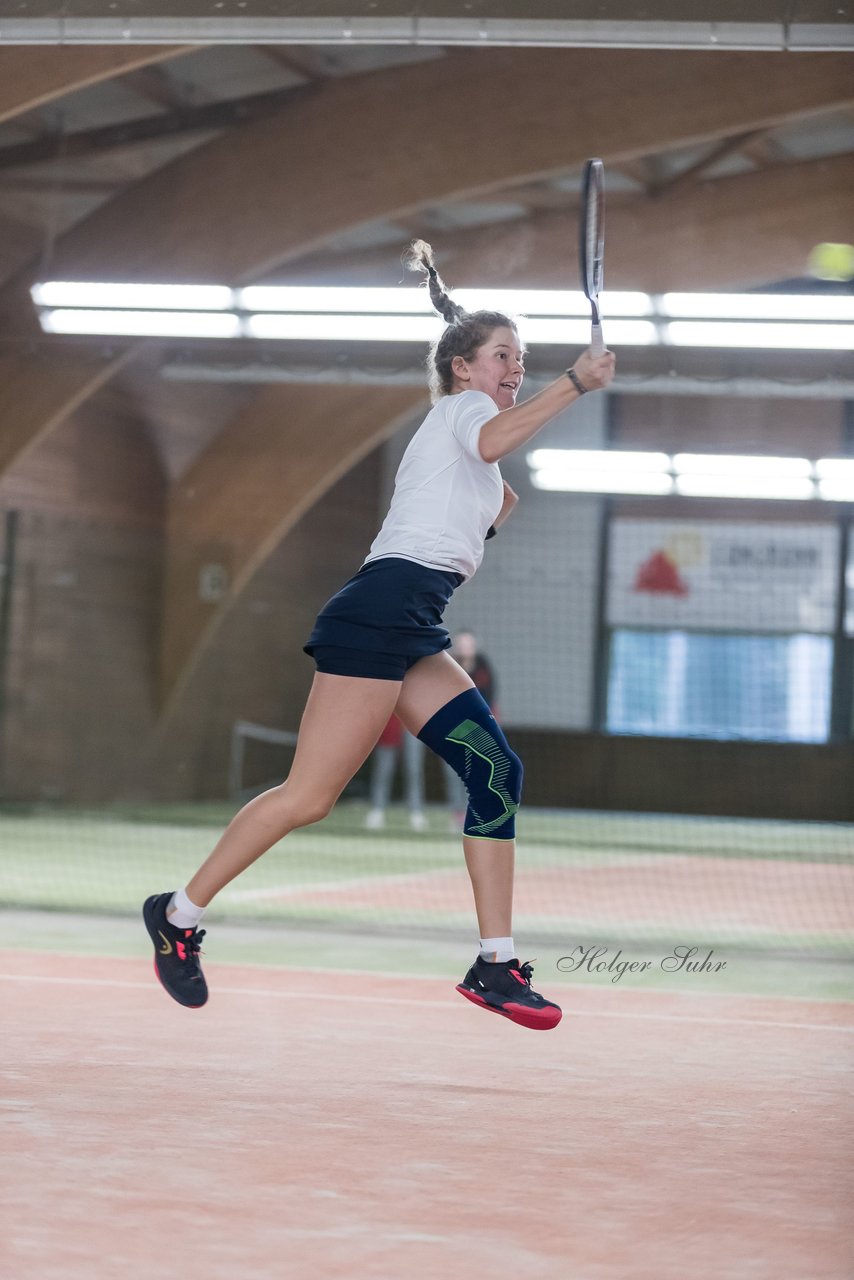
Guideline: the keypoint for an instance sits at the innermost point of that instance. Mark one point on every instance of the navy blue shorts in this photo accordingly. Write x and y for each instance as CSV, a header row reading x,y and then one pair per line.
x,y
383,620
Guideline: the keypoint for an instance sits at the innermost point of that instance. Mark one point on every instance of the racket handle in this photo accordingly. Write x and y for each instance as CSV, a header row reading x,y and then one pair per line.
x,y
597,342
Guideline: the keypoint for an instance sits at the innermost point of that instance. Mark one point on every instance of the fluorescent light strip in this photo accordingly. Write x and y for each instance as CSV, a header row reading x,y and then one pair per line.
x,y
725,464
543,314
286,326
524,302
133,297
757,306
641,482
743,335
692,474
143,324
423,328
344,328
551,302
619,333
829,308
297,298
704,486
835,479
836,490
835,469
604,461
556,332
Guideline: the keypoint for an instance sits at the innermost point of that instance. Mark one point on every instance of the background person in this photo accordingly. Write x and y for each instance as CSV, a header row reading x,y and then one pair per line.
x,y
396,743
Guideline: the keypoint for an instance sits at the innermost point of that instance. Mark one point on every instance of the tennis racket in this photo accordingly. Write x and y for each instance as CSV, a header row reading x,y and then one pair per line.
x,y
591,245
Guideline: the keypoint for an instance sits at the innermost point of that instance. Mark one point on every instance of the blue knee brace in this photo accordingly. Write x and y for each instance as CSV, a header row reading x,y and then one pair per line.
x,y
466,734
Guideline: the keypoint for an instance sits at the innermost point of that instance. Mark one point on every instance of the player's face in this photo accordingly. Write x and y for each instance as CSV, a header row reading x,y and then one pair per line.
x,y
497,367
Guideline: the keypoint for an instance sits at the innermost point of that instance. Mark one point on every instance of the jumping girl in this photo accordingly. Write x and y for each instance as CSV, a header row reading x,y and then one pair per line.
x,y
380,647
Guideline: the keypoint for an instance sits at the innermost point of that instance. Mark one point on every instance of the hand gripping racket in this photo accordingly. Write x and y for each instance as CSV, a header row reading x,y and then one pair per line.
x,y
591,245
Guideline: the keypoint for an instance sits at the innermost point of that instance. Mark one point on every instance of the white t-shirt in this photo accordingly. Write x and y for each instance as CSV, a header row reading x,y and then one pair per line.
x,y
445,495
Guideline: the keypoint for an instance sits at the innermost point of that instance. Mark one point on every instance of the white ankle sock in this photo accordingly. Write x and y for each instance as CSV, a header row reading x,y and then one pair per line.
x,y
183,913
497,950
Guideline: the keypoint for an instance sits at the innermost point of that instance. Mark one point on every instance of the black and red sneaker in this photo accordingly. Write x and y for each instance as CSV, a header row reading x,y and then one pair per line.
x,y
176,954
506,989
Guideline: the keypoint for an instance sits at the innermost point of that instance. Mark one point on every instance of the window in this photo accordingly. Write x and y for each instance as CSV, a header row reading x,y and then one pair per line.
x,y
714,685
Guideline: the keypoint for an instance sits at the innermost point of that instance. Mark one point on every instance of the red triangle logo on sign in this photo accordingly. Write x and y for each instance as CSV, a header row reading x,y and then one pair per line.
x,y
660,575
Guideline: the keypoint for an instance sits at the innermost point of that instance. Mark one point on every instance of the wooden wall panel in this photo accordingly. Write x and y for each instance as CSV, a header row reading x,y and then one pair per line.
x,y
81,721
99,467
806,428
91,501
262,474
792,781
254,668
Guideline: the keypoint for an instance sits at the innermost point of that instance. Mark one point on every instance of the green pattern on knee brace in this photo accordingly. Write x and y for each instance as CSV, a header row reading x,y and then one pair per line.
x,y
477,741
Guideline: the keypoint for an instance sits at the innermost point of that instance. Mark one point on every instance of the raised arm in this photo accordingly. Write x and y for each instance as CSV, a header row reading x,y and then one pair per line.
x,y
512,428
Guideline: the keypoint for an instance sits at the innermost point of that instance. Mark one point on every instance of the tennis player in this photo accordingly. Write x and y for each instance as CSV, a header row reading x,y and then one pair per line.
x,y
380,647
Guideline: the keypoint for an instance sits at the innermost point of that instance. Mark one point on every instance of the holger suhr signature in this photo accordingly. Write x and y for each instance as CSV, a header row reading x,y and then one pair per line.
x,y
681,959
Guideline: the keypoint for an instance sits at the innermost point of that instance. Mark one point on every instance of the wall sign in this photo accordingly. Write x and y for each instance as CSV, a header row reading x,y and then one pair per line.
x,y
722,576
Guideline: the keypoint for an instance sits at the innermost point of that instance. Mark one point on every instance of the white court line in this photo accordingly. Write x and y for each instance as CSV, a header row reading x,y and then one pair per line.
x,y
428,1004
381,975
614,862
292,889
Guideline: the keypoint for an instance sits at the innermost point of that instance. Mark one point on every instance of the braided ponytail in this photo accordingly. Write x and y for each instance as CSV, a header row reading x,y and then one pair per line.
x,y
419,257
466,330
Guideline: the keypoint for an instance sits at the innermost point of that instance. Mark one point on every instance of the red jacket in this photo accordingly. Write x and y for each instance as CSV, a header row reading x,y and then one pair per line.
x,y
392,734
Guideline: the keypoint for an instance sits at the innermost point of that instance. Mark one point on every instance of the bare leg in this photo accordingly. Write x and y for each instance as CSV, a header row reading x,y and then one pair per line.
x,y
343,718
491,864
427,686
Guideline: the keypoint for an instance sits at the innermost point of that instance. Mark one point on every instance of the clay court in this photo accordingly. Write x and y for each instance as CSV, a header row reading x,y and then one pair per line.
x,y
222,395
337,1125
334,1112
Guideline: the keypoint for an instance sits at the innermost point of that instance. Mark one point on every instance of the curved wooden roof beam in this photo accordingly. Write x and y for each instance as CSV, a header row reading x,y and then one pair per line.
x,y
249,489
31,76
259,195
737,232
733,232
20,242
40,390
228,210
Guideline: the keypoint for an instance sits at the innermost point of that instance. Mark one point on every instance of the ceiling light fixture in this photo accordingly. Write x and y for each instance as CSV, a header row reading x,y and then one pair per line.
x,y
692,475
133,297
744,335
143,324
730,464
548,317
651,483
757,306
748,486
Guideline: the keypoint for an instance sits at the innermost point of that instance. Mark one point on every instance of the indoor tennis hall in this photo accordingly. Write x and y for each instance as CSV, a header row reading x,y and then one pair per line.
x,y
212,363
